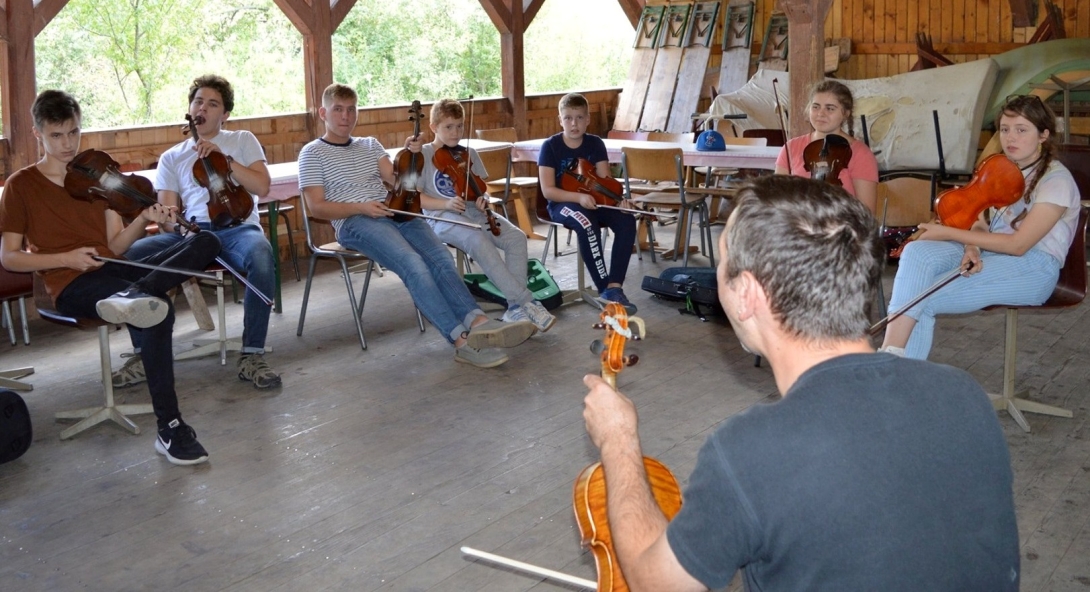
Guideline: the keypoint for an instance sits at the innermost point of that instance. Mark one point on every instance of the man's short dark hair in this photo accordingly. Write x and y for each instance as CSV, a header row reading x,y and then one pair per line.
x,y
218,84
54,106
815,251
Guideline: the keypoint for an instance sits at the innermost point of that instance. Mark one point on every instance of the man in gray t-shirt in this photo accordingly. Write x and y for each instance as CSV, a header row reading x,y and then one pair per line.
x,y
872,473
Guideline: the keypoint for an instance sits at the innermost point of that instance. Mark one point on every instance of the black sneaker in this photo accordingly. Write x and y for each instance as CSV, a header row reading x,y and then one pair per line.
x,y
178,442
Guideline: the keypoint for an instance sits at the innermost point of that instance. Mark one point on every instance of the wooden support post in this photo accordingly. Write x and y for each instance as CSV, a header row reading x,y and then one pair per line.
x,y
18,85
805,53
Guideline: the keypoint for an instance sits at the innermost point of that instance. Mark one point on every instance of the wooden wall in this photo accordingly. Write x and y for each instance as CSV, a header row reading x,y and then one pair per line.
x,y
883,32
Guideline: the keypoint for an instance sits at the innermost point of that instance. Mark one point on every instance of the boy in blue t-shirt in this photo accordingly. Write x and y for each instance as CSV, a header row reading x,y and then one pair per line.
x,y
578,211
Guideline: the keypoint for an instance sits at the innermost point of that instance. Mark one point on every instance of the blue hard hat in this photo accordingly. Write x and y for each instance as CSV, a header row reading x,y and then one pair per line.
x,y
710,141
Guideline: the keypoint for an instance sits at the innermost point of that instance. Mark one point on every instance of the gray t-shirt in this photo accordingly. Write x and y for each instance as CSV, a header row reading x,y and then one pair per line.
x,y
873,473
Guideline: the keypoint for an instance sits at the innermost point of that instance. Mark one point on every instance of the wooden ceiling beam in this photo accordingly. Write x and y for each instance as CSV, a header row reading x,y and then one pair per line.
x,y
500,14
44,11
299,13
632,9
340,10
529,11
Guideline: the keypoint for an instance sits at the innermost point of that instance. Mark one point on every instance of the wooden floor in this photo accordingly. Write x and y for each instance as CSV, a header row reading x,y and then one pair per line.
x,y
369,469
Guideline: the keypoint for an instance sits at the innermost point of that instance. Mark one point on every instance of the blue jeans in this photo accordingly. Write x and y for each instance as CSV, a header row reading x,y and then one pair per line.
x,y
1004,279
413,252
79,298
246,249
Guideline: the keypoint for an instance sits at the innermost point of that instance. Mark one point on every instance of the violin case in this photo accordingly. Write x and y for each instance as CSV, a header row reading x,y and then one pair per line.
x,y
15,432
538,281
695,286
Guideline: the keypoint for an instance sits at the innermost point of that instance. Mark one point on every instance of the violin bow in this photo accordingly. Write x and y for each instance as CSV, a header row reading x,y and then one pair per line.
x,y
946,279
781,116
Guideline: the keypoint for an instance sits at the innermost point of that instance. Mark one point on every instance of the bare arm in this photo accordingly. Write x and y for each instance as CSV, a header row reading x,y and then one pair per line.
x,y
254,178
319,207
14,258
121,237
547,177
638,525
866,192
1040,219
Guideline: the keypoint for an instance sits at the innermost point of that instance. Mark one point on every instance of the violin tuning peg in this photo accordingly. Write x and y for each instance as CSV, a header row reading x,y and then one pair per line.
x,y
631,360
597,347
598,326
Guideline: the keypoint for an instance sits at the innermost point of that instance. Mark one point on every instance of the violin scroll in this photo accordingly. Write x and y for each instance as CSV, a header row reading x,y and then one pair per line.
x,y
618,326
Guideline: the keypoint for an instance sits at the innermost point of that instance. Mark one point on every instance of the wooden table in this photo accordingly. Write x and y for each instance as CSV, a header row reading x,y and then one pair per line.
x,y
746,157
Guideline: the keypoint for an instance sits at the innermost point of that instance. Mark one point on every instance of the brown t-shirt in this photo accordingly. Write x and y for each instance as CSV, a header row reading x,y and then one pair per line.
x,y
52,222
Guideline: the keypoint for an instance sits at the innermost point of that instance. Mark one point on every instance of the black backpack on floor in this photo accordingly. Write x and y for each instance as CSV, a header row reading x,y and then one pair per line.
x,y
696,286
15,433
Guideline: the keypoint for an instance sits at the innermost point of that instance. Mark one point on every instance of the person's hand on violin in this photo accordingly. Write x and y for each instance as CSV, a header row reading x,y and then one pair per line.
x,y
205,147
375,209
610,416
482,203
587,201
81,259
414,143
160,214
455,204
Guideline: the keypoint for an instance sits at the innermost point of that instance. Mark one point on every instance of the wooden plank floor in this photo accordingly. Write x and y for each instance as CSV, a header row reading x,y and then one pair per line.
x,y
369,469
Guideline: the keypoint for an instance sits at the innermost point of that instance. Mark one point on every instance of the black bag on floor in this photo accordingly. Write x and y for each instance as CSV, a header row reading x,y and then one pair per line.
x,y
15,433
696,286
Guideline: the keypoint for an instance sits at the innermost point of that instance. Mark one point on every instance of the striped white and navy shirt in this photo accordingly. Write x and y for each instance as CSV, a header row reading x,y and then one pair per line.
x,y
348,172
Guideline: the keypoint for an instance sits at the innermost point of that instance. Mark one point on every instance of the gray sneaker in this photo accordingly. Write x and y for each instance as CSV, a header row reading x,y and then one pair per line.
x,y
134,308
253,367
539,315
481,358
497,334
131,373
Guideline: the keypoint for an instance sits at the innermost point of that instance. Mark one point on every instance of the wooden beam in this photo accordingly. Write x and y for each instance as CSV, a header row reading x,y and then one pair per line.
x,y
44,11
19,88
500,15
1023,13
633,9
299,12
315,23
341,8
805,53
972,48
529,11
513,67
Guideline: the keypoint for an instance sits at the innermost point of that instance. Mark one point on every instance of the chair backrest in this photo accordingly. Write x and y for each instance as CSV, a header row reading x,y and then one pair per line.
x,y
15,285
682,138
1077,160
773,136
652,164
503,134
1071,286
905,201
497,162
744,141
623,135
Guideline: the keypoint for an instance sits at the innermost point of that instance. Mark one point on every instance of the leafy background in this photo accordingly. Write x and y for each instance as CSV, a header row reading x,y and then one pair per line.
x,y
130,62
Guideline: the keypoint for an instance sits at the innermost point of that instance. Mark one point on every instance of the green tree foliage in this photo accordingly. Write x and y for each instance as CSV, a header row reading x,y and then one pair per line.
x,y
131,62
392,51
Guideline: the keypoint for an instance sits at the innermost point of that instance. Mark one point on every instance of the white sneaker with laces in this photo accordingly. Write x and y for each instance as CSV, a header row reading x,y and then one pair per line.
x,y
516,314
539,315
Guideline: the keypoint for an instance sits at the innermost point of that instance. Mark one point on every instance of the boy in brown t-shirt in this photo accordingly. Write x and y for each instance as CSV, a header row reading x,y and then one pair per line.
x,y
62,239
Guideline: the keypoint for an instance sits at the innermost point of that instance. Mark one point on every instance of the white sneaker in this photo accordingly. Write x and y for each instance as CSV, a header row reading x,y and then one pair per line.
x,y
481,358
539,315
134,308
497,334
514,315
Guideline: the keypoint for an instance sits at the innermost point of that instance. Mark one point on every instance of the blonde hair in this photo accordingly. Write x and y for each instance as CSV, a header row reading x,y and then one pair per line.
x,y
338,91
